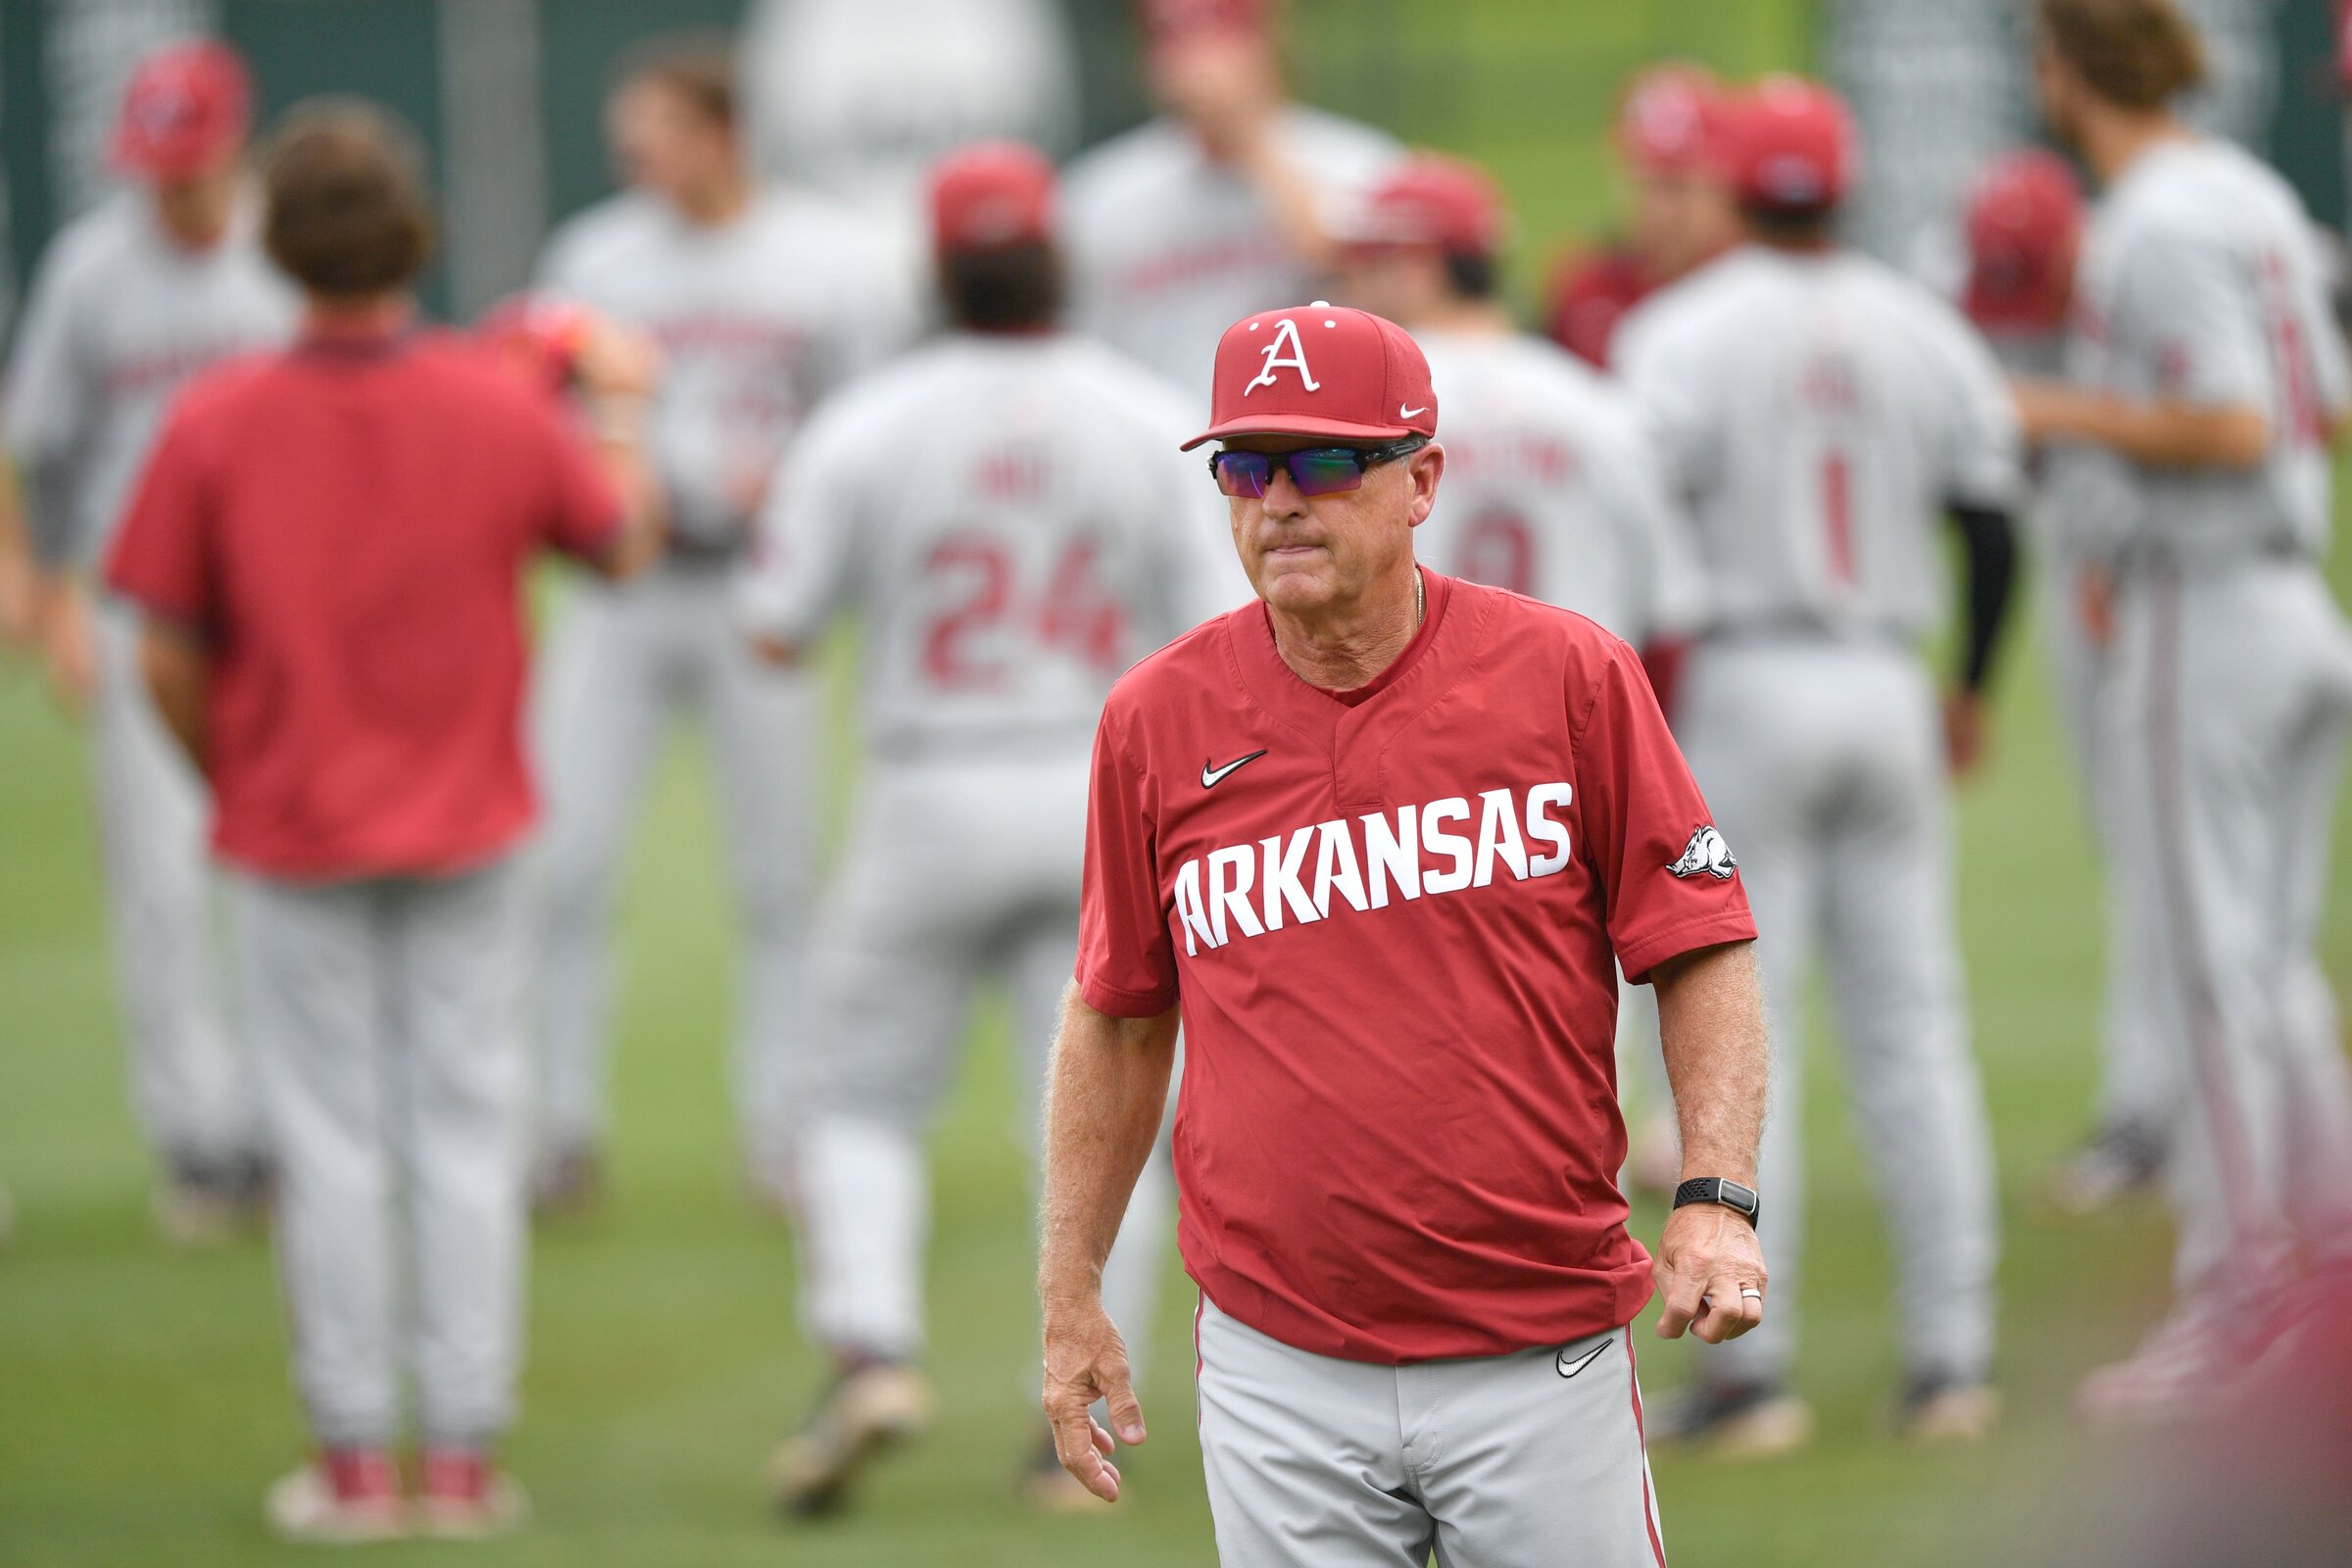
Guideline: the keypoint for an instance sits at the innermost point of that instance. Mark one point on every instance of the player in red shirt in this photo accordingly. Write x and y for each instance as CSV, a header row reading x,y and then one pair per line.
x,y
1383,840
328,547
1668,131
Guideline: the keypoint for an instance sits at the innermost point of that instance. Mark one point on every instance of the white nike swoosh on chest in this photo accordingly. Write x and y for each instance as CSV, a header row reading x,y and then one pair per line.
x,y
1210,776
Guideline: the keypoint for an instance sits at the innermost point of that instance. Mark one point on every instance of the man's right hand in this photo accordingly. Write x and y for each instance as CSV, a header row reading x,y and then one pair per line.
x,y
1086,1360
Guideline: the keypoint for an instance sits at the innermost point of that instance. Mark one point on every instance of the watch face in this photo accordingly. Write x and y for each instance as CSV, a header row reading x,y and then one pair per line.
x,y
1740,1196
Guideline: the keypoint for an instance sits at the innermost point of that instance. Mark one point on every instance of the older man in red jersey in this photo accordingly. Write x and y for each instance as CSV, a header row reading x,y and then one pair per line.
x,y
1384,839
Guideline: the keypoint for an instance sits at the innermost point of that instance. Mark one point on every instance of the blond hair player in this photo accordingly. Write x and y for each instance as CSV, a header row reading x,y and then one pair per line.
x,y
2204,353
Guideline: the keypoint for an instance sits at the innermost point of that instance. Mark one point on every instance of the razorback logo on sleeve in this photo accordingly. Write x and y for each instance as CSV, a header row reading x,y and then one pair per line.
x,y
1357,864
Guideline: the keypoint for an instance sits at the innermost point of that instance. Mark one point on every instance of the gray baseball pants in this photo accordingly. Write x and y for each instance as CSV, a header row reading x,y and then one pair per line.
x,y
958,872
2137,1087
191,1086
624,662
2231,705
1824,765
1505,1461
386,1021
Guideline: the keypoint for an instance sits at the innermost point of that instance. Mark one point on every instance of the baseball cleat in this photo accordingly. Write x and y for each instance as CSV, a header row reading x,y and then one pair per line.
x,y
463,1497
1946,1409
343,1498
1731,1421
2195,1365
2119,1161
1047,1487
212,1203
568,1182
871,1408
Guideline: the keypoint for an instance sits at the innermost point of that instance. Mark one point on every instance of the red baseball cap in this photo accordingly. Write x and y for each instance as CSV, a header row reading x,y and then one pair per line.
x,y
183,106
992,193
1319,369
1166,23
1791,146
1432,200
1671,120
2023,224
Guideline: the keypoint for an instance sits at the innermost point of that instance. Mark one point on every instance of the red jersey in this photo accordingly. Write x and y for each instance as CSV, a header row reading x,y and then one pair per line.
x,y
1590,293
345,525
1394,920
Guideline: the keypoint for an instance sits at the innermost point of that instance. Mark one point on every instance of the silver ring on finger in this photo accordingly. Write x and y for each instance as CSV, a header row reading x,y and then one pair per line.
x,y
1751,1292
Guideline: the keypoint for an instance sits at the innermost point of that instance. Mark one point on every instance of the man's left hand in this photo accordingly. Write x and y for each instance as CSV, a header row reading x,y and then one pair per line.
x,y
1707,1258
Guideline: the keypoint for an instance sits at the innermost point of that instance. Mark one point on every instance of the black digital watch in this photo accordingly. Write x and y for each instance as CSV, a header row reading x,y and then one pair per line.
x,y
1740,1200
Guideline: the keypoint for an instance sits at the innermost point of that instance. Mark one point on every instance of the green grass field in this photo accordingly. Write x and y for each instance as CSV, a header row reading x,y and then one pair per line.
x,y
145,1405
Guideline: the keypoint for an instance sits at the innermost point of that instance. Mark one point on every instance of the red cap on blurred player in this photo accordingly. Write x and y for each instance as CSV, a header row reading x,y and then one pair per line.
x,y
183,107
1319,369
1671,121
1175,22
2025,219
1431,200
1791,146
992,193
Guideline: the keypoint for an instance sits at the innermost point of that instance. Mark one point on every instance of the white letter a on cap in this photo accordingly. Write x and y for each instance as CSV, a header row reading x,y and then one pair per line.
x,y
1286,332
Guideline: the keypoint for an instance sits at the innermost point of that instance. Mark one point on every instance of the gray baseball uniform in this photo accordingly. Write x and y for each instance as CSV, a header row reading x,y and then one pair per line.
x,y
1013,521
1444,1473
1168,249
2230,696
1821,411
120,316
756,321
326,967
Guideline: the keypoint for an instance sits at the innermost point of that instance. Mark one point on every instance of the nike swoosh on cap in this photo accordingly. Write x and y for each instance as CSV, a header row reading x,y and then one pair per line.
x,y
1404,413
1211,776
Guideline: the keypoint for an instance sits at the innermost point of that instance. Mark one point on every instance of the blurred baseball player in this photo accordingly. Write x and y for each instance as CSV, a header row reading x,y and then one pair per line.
x,y
2204,354
1820,410
132,301
327,551
1384,839
1224,204
1009,511
2024,226
1667,131
759,301
1551,489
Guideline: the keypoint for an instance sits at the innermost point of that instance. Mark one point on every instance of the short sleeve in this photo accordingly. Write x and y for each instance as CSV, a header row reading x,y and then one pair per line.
x,y
801,565
51,401
162,557
1126,961
581,514
1671,885
2192,324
